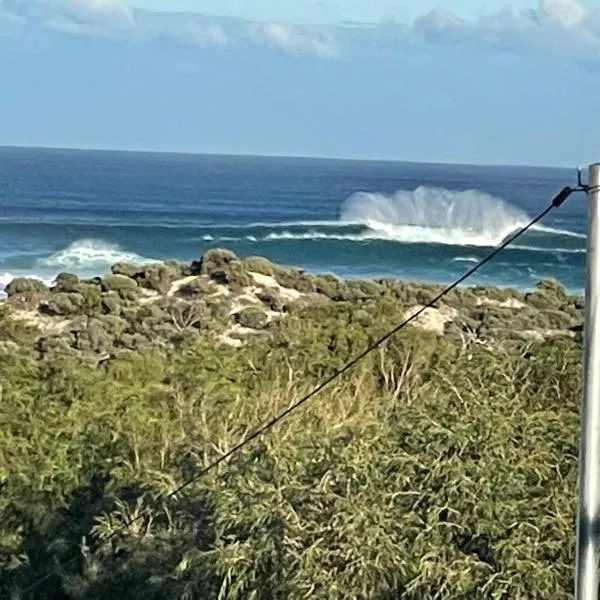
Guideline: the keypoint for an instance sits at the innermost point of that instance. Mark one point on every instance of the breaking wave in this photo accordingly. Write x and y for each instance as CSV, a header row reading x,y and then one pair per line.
x,y
91,255
435,216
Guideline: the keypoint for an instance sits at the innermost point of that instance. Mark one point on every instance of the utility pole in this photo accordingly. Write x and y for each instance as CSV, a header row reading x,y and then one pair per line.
x,y
588,520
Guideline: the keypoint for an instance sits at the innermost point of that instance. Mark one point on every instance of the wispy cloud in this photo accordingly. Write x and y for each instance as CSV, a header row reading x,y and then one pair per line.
x,y
80,17
295,39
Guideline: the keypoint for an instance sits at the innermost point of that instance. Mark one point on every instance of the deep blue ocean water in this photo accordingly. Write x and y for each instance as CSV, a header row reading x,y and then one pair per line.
x,y
81,211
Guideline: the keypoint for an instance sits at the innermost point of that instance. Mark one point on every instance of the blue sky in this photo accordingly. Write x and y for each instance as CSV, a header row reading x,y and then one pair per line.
x,y
332,11
325,11
481,84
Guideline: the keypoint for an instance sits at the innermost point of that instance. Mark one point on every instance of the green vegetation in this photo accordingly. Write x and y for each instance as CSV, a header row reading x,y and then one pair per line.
x,y
443,467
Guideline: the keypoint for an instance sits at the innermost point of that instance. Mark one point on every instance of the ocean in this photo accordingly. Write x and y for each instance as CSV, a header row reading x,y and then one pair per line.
x,y
82,211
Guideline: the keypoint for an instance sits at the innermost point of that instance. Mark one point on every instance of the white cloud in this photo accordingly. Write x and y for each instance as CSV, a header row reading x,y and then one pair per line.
x,y
295,39
568,13
74,16
555,28
441,22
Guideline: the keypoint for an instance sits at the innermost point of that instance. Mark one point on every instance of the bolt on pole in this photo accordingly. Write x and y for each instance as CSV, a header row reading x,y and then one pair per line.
x,y
588,519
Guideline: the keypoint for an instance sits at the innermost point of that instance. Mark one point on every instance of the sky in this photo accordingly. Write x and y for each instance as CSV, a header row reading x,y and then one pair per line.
x,y
326,11
478,83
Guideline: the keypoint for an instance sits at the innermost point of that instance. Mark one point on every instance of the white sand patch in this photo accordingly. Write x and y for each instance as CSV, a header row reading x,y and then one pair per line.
x,y
244,301
432,319
180,283
267,281
510,303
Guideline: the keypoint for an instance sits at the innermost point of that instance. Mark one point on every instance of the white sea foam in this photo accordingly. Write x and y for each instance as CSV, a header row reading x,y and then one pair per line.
x,y
91,255
563,232
6,278
467,259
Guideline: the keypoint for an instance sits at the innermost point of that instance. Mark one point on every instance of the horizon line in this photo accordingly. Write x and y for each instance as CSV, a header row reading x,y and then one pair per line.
x,y
283,156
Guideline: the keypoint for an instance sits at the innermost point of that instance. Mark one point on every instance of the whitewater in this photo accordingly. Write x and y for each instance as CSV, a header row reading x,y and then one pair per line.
x,y
352,218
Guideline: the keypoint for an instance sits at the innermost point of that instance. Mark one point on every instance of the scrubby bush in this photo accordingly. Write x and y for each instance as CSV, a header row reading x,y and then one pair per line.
x,y
65,305
198,287
111,303
235,276
549,294
252,318
214,260
272,299
127,288
26,294
160,277
434,469
66,282
258,264
329,286
126,270
295,279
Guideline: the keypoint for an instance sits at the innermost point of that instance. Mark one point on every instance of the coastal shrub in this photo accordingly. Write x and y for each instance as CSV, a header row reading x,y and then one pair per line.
x,y
127,288
188,315
272,299
65,305
111,303
549,294
95,337
258,264
252,318
329,286
198,287
159,277
66,282
217,259
92,294
363,290
54,345
15,330
24,286
126,269
434,469
26,294
133,341
235,276
295,279
115,326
